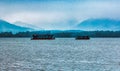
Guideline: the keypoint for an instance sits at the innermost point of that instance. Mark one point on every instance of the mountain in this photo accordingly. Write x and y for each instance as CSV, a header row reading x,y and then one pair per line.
x,y
8,27
22,24
99,24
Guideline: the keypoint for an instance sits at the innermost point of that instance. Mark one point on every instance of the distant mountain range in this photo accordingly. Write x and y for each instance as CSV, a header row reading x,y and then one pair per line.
x,y
8,27
99,24
22,24
86,25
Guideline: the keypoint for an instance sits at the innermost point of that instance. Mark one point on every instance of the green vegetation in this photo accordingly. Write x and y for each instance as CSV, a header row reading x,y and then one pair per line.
x,y
68,34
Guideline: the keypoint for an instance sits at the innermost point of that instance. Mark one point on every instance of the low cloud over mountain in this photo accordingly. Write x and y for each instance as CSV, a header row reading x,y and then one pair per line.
x,y
99,24
8,27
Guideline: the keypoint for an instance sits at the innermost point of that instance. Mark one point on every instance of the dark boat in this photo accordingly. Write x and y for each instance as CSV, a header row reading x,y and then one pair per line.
x,y
82,38
43,37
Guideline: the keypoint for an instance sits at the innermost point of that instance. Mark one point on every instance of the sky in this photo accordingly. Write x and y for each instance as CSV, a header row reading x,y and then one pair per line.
x,y
57,14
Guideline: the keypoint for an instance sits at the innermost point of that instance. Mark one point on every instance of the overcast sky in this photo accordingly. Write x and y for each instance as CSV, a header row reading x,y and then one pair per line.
x,y
57,14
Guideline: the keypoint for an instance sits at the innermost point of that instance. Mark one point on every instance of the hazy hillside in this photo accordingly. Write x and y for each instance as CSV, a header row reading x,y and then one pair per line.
x,y
8,27
22,24
99,24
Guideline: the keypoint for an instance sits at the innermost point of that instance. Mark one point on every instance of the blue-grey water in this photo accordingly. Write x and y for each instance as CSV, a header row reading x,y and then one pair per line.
x,y
62,54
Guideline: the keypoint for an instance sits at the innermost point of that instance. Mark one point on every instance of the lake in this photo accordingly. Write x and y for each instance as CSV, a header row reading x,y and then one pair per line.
x,y
61,54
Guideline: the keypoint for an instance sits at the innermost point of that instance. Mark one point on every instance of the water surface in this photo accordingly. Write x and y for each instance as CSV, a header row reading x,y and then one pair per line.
x,y
62,54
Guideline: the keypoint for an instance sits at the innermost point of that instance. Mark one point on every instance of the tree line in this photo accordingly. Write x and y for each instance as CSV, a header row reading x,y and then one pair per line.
x,y
64,33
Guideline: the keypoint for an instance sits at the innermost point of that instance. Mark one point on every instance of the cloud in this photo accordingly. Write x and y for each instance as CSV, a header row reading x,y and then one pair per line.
x,y
48,20
35,17
58,14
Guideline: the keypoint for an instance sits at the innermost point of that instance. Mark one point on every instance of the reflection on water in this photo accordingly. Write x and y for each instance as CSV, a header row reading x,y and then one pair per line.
x,y
62,54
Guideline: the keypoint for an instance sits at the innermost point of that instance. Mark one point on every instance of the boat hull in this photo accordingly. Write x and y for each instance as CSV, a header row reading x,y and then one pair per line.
x,y
82,38
43,39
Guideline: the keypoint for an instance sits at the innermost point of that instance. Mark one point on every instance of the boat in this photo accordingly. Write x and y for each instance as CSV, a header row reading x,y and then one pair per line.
x,y
43,37
82,38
